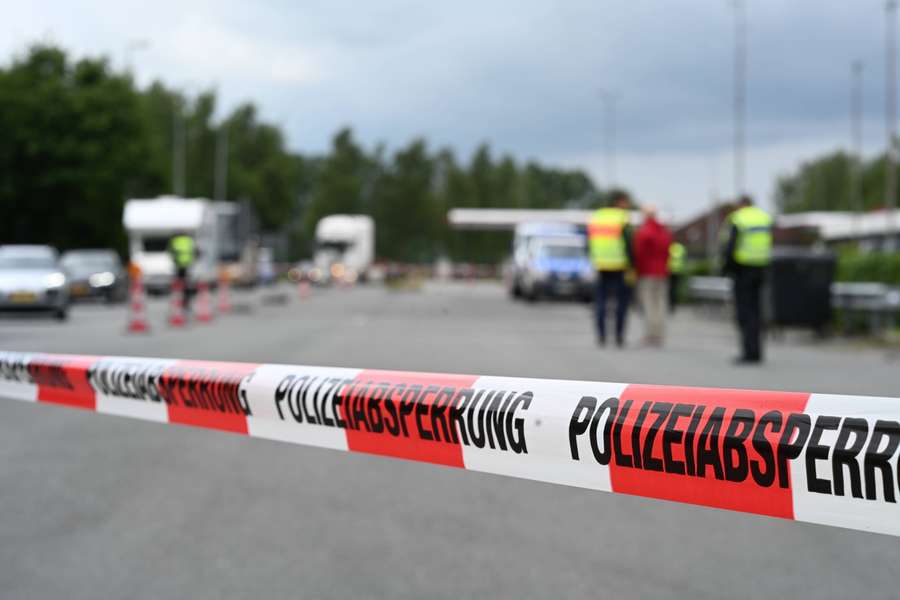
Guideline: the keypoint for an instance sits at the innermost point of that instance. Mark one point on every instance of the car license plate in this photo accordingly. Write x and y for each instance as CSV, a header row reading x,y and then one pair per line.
x,y
23,297
79,289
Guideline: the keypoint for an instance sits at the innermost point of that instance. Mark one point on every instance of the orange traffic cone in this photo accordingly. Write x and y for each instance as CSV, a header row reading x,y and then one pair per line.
x,y
204,303
224,304
176,304
137,308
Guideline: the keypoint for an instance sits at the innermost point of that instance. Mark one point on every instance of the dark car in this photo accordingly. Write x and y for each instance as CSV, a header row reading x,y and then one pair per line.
x,y
95,274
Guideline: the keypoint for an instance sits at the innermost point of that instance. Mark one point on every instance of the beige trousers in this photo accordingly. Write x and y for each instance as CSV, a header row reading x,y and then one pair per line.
x,y
652,294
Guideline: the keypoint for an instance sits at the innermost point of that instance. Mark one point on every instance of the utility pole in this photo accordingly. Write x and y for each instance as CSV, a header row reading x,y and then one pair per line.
x,y
740,72
178,148
856,103
609,134
712,219
221,166
856,72
890,182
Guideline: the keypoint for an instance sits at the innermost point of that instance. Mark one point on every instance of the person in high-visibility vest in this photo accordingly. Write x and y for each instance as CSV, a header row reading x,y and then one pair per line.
x,y
677,254
609,242
746,255
183,252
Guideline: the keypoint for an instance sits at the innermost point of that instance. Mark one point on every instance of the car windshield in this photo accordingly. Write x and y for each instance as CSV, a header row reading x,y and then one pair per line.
x,y
89,261
25,262
561,251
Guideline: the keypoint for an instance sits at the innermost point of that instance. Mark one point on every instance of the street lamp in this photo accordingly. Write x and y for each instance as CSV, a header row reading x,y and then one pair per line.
x,y
609,99
740,70
890,181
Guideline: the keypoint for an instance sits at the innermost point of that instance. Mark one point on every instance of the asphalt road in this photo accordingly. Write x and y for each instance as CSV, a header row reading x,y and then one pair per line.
x,y
98,506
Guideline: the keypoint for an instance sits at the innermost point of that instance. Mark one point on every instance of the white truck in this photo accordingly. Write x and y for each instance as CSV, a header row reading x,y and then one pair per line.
x,y
345,246
150,225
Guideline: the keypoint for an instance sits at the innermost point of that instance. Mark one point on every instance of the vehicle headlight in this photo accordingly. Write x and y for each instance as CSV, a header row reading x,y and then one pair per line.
x,y
102,279
55,280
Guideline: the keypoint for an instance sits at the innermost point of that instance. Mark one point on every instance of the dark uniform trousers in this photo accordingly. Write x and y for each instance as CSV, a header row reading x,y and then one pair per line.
x,y
748,284
612,284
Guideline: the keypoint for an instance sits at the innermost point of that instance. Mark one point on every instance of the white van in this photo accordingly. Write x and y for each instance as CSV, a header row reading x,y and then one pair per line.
x,y
150,225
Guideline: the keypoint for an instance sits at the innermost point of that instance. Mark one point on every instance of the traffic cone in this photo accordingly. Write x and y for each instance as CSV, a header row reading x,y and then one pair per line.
x,y
224,304
176,304
137,307
204,303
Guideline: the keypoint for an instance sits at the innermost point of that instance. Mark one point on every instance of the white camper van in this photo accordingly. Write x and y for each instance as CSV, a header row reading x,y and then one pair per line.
x,y
150,225
345,246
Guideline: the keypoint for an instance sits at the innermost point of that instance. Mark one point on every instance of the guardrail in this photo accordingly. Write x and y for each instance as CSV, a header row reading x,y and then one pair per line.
x,y
880,303
818,458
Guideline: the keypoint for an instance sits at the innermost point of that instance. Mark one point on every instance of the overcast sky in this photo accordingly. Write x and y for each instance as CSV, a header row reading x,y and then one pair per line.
x,y
523,75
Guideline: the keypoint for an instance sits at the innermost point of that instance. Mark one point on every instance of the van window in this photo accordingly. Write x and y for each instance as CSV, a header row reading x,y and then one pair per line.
x,y
156,244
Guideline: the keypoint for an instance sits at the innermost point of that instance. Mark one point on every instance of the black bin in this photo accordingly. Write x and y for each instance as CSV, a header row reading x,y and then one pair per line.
x,y
800,288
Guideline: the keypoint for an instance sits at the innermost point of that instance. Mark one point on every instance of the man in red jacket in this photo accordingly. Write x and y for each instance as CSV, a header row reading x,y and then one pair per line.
x,y
651,256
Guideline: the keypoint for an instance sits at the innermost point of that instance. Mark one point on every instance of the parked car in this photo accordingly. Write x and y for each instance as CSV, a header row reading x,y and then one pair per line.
x,y
31,278
95,274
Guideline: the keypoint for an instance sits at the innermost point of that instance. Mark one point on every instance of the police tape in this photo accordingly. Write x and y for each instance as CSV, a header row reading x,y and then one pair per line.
x,y
818,458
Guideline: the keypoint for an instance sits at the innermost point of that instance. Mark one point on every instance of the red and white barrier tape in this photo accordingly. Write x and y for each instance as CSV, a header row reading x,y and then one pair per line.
x,y
817,458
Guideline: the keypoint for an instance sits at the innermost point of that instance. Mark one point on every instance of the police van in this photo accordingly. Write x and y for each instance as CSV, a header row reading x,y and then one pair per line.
x,y
550,260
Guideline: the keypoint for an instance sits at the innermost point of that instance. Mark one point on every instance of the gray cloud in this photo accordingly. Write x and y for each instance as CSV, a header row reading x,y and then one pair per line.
x,y
523,74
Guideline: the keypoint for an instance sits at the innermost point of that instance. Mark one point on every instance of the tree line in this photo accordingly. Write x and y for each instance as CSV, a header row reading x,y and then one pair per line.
x,y
837,181
80,137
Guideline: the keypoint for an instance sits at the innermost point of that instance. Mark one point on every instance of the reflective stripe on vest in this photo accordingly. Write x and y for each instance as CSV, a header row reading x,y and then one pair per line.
x,y
607,244
676,258
753,246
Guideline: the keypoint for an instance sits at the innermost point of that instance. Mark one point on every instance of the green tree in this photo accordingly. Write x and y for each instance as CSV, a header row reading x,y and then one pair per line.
x,y
406,208
343,181
72,147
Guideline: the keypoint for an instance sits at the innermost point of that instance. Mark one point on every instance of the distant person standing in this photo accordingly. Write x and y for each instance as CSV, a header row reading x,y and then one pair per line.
x,y
651,257
677,255
746,255
609,237
183,252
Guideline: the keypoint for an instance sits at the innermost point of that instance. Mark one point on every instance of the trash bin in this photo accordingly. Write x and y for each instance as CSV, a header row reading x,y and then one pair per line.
x,y
800,288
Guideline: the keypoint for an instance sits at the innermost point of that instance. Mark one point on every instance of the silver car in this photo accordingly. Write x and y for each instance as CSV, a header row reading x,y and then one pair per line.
x,y
31,279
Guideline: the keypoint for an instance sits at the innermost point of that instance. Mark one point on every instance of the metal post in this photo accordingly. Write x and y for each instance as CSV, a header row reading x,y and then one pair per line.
x,y
178,148
890,183
221,168
740,70
609,134
856,135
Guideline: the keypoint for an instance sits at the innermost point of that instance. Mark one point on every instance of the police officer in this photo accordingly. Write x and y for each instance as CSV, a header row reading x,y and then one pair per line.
x,y
677,253
746,256
609,237
183,252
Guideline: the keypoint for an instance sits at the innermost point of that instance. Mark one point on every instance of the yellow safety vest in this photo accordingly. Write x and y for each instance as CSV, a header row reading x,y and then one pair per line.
x,y
753,246
606,240
182,247
676,258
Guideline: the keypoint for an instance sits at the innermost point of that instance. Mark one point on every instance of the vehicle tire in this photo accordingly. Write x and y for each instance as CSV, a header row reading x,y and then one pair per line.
x,y
61,313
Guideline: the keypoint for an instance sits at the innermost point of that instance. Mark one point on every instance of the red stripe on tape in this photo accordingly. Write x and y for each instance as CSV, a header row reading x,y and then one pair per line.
x,y
695,443
404,415
206,394
62,379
